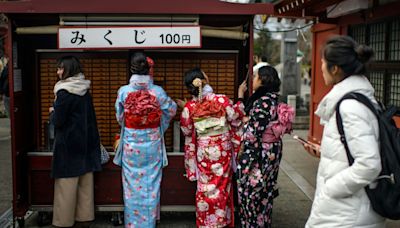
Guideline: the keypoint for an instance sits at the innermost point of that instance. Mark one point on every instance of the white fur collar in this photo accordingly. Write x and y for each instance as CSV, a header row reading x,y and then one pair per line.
x,y
76,85
355,83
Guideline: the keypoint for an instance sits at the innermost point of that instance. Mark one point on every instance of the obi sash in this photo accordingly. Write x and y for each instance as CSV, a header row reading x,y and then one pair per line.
x,y
210,126
152,120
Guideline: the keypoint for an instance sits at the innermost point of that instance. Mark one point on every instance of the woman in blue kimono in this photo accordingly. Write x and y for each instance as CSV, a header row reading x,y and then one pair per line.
x,y
144,111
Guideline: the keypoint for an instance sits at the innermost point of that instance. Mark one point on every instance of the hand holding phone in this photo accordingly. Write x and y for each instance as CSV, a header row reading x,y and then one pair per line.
x,y
242,89
247,75
311,148
301,140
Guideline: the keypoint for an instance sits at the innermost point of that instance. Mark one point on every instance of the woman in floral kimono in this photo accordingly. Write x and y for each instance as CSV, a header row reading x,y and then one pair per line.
x,y
145,111
258,164
210,123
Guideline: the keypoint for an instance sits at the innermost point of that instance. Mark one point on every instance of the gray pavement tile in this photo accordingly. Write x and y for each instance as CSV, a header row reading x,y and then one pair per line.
x,y
5,166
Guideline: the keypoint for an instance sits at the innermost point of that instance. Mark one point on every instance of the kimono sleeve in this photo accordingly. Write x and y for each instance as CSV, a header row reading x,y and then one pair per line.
x,y
260,117
119,106
187,127
168,108
235,114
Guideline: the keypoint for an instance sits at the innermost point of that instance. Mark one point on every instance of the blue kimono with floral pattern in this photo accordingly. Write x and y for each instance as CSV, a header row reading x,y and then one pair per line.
x,y
143,147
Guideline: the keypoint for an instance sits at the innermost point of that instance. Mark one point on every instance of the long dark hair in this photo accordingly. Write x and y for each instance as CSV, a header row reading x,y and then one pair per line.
x,y
347,54
139,64
190,75
71,66
270,83
269,79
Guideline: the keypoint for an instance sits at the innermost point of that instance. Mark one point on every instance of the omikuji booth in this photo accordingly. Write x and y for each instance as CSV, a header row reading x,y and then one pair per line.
x,y
178,35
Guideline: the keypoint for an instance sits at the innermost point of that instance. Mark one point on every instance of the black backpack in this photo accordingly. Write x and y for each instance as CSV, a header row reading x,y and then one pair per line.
x,y
385,198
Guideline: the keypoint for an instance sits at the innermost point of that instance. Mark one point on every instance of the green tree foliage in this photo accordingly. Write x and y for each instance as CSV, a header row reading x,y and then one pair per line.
x,y
264,45
304,45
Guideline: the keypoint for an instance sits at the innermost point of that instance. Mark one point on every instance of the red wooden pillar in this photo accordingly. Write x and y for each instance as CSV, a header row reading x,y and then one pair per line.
x,y
321,32
21,139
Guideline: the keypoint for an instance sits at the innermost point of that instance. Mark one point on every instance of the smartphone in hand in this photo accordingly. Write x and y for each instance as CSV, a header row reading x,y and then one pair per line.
x,y
311,148
301,140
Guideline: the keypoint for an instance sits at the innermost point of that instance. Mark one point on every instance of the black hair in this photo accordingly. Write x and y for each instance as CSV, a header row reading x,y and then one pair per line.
x,y
347,54
190,75
270,83
264,58
139,64
269,78
71,66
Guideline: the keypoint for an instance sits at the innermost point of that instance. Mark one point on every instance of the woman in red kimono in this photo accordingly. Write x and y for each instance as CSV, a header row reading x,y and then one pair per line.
x,y
210,124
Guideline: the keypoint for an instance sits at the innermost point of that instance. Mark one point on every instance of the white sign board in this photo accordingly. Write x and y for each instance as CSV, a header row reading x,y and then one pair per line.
x,y
129,37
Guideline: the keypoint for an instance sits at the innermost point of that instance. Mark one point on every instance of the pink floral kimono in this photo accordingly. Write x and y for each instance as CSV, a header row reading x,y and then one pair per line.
x,y
212,139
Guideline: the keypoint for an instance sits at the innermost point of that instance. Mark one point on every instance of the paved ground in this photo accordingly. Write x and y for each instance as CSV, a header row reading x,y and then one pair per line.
x,y
291,208
5,165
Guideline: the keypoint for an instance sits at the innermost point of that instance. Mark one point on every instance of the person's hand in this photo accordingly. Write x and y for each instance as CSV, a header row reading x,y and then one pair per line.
x,y
206,77
51,109
313,149
242,89
181,103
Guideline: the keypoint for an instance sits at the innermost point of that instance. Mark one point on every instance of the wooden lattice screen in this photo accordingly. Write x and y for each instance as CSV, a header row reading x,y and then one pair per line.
x,y
108,73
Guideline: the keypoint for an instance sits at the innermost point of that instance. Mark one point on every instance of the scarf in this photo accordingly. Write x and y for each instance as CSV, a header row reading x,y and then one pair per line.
x,y
207,89
76,84
354,83
141,81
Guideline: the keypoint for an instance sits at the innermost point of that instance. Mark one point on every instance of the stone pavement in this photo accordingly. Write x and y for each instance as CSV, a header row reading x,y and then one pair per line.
x,y
291,210
5,166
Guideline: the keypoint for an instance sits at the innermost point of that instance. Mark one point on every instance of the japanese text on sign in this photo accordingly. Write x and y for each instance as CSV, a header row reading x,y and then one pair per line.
x,y
129,37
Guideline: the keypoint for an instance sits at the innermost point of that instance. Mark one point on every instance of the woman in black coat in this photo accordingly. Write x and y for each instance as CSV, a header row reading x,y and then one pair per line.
x,y
76,152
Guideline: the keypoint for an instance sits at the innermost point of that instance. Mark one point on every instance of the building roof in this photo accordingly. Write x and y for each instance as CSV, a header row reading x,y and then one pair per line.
x,y
215,7
302,8
333,11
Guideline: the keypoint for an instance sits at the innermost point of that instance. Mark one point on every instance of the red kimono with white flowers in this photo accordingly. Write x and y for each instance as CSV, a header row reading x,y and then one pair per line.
x,y
212,138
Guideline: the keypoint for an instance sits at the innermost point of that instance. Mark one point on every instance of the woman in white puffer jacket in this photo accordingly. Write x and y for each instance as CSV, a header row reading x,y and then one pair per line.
x,y
340,199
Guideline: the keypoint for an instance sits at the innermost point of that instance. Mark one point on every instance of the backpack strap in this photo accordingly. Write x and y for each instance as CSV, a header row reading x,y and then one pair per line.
x,y
362,99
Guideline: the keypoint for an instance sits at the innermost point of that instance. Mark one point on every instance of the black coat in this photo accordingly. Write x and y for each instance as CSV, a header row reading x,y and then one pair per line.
x,y
76,146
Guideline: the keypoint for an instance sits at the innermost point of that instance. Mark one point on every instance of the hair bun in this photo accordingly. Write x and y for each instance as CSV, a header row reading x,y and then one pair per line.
x,y
139,64
197,82
364,53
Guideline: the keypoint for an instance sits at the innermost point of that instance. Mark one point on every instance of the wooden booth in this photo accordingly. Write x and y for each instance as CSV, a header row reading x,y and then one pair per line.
x,y
374,23
220,42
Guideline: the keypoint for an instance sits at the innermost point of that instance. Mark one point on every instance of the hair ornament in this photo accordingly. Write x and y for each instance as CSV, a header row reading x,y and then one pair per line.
x,y
198,83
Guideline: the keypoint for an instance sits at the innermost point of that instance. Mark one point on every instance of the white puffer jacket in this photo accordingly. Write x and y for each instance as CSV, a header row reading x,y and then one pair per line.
x,y
340,199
